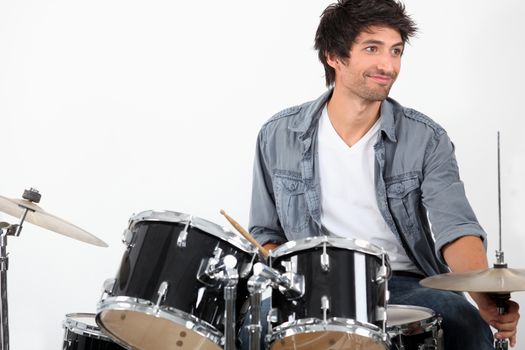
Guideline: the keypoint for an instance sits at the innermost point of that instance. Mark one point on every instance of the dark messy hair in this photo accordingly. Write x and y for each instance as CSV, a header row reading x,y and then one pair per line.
x,y
343,21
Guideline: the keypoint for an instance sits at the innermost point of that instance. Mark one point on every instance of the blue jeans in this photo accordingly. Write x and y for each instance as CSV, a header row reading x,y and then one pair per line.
x,y
463,327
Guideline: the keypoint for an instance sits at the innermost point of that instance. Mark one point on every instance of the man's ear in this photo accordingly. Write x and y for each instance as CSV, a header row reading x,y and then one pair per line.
x,y
332,60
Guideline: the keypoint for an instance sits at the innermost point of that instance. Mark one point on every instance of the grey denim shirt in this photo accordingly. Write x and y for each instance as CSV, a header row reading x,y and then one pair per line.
x,y
416,179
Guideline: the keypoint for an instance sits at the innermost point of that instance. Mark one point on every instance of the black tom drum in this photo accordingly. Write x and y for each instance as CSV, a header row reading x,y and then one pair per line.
x,y
344,298
169,290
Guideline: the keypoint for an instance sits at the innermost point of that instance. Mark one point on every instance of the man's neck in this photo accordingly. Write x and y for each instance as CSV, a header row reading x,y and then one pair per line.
x,y
352,116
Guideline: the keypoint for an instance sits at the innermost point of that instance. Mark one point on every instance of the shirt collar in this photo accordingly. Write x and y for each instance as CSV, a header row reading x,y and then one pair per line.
x,y
312,112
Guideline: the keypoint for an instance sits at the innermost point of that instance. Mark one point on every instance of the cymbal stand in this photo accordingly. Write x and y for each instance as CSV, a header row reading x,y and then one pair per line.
x,y
10,230
500,298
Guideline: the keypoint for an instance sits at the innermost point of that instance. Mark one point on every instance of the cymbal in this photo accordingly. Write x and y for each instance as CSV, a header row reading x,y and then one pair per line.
x,y
37,216
492,280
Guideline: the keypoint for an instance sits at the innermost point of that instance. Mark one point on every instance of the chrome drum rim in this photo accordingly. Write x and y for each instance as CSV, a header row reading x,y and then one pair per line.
x,y
335,333
134,322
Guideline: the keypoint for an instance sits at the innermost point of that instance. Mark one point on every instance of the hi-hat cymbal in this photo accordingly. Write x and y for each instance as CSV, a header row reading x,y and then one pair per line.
x,y
37,216
493,280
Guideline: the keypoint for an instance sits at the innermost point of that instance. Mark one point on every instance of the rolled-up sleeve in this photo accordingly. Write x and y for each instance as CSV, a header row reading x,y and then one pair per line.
x,y
444,198
264,223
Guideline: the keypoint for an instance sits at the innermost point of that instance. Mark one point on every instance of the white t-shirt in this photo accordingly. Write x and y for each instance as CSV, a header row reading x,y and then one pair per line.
x,y
348,197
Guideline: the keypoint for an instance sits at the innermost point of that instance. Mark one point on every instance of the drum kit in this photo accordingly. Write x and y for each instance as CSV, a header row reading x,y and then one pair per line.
x,y
188,283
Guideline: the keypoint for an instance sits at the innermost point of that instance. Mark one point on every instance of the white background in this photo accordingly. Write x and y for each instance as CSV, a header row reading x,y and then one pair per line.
x,y
114,107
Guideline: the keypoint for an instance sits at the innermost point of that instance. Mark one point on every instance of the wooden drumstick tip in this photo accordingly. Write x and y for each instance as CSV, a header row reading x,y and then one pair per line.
x,y
245,234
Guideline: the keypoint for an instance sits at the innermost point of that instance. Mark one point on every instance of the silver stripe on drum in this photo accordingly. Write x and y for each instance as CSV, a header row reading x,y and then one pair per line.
x,y
360,287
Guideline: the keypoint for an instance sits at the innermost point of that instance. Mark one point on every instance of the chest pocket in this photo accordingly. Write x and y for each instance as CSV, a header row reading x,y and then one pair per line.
x,y
404,195
291,203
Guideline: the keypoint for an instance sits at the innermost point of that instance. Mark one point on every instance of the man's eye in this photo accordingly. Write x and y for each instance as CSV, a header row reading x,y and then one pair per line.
x,y
397,52
371,49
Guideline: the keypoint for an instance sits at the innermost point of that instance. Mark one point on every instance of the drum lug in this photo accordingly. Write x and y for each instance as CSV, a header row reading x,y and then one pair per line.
x,y
108,287
325,306
382,275
384,272
325,259
273,315
127,237
381,313
162,292
183,235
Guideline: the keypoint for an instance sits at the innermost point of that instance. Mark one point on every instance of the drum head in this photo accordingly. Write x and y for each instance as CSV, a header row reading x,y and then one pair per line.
x,y
397,315
358,245
149,332
328,340
409,320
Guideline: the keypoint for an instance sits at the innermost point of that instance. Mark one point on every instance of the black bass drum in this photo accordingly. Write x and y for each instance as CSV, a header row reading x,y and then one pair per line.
x,y
169,290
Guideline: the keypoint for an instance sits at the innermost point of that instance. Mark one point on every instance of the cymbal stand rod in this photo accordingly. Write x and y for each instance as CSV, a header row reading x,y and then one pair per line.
x,y
499,254
4,262
22,219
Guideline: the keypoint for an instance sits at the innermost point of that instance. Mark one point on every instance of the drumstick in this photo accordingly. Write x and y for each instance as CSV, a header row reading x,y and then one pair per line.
x,y
245,234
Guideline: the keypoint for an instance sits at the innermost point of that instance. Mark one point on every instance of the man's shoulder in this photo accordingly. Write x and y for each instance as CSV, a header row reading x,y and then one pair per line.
x,y
293,113
416,119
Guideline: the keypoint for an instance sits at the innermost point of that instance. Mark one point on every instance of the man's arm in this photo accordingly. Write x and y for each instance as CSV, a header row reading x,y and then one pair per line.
x,y
468,254
264,222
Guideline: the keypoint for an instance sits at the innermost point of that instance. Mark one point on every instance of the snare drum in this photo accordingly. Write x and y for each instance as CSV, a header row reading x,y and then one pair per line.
x,y
169,291
414,328
343,302
82,333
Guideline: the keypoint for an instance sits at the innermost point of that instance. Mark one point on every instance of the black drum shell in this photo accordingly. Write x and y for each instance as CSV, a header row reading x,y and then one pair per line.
x,y
153,257
338,284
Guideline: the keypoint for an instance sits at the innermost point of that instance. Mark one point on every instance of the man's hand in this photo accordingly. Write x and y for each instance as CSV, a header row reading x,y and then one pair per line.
x,y
270,246
468,254
505,324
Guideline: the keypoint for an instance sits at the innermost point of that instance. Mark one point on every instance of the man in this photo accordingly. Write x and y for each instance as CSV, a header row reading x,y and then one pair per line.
x,y
355,163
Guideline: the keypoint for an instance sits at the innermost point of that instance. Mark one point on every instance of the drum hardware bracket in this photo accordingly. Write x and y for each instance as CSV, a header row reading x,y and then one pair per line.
x,y
183,235
325,259
290,284
215,271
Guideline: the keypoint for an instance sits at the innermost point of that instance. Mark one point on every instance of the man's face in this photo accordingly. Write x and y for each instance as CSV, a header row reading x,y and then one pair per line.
x,y
373,64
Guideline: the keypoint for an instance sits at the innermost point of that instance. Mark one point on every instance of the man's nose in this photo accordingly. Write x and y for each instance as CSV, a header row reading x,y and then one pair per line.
x,y
387,64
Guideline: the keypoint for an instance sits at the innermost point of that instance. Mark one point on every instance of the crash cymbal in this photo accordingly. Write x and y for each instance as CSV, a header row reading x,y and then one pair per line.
x,y
37,216
492,280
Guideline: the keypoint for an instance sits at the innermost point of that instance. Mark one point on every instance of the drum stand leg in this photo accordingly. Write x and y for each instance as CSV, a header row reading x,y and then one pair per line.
x,y
230,298
256,286
4,260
